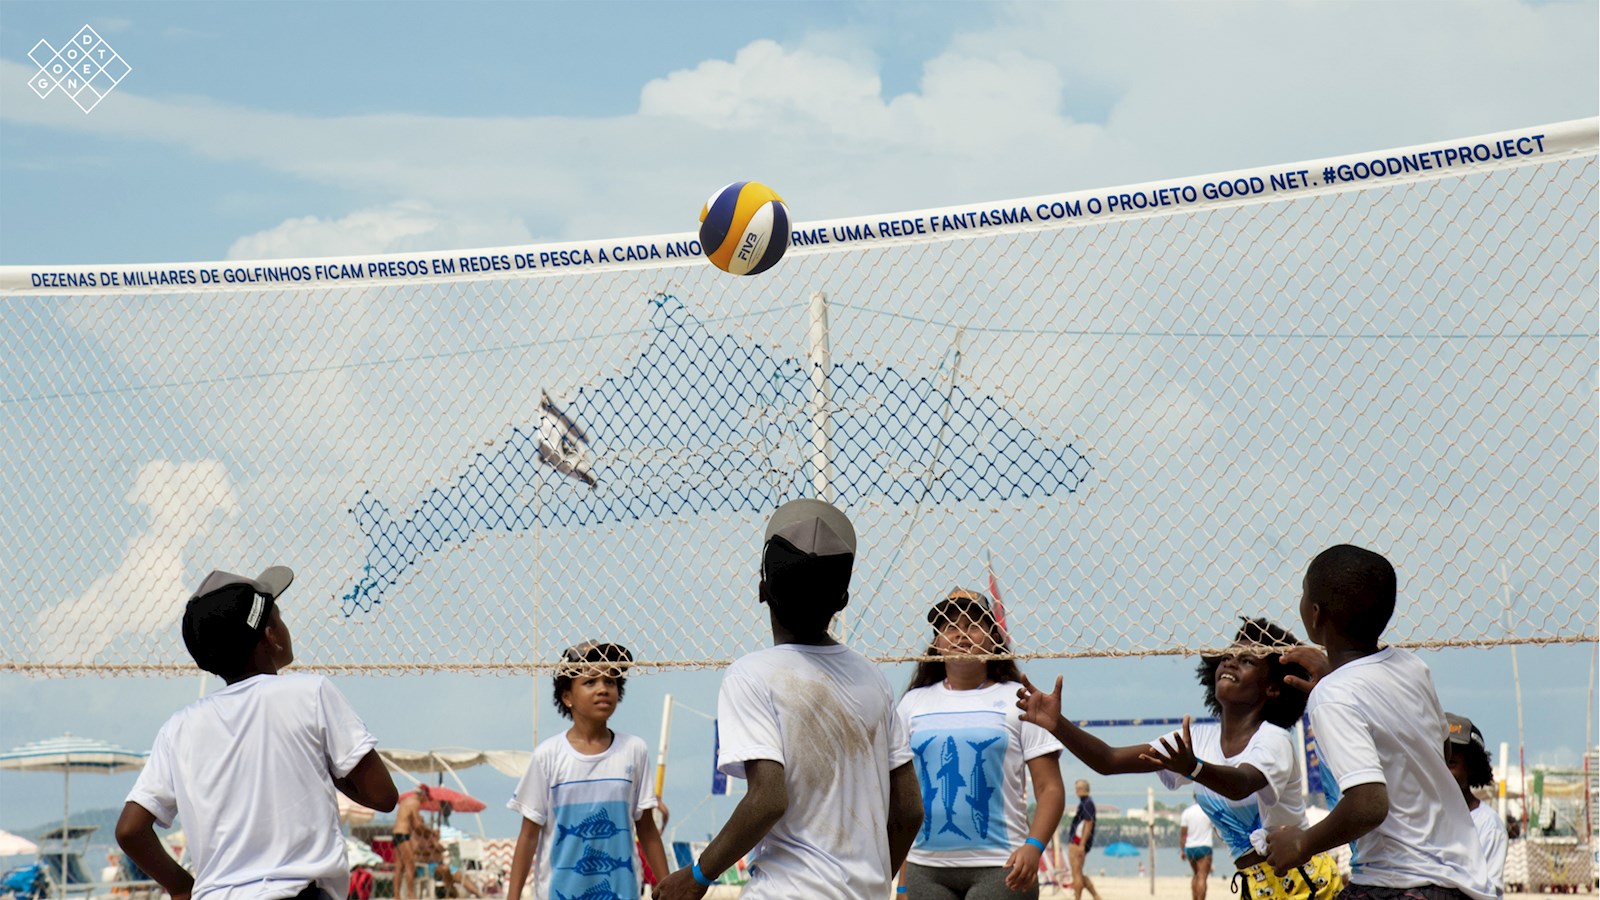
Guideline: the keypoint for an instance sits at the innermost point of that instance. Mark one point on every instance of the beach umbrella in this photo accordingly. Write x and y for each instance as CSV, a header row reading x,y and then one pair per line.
x,y
12,845
1121,848
68,754
461,803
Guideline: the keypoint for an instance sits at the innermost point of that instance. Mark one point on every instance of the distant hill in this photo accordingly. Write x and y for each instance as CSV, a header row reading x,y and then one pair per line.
x,y
104,819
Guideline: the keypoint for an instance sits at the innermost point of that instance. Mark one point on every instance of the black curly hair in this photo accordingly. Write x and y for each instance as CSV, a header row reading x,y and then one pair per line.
x,y
1283,710
1480,772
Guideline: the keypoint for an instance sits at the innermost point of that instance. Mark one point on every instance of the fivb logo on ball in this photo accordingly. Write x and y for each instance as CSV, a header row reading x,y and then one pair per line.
x,y
86,69
744,228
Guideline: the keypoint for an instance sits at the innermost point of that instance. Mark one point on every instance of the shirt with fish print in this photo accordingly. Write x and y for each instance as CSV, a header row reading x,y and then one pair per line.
x,y
971,750
586,807
1271,751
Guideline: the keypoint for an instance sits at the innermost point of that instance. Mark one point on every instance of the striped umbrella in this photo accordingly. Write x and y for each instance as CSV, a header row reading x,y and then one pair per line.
x,y
68,754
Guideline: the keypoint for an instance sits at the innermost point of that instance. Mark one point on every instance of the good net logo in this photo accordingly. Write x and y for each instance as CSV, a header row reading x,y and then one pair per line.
x,y
86,69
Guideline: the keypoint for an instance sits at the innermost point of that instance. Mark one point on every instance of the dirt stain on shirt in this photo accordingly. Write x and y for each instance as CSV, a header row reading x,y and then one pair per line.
x,y
829,744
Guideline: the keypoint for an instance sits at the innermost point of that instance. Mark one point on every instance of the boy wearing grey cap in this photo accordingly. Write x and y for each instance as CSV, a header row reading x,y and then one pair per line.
x,y
1469,764
833,802
252,769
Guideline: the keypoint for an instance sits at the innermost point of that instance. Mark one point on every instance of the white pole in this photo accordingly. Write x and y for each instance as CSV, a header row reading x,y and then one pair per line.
x,y
821,358
1504,774
661,749
1150,819
66,806
1516,680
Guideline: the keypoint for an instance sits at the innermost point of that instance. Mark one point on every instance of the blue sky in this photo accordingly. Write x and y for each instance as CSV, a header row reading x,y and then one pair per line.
x,y
256,130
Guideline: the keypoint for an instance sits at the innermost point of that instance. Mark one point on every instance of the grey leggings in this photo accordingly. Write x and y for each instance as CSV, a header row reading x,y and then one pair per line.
x,y
975,883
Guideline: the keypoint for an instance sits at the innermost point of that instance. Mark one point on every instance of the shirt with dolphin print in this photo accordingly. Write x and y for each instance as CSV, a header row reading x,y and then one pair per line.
x,y
970,749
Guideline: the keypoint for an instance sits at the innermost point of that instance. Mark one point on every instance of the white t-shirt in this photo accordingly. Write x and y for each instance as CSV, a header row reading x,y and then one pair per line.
x,y
1492,836
1271,751
971,749
250,771
1200,833
827,715
586,807
1378,721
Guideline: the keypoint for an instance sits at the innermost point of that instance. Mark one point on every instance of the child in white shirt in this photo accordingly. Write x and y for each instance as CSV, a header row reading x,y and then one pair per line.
x,y
1381,733
586,796
252,768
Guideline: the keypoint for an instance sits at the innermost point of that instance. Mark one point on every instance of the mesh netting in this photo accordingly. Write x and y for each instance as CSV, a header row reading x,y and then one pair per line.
x,y
1134,430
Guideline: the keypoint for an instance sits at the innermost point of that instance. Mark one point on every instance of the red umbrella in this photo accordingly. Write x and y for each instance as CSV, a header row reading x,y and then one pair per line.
x,y
459,802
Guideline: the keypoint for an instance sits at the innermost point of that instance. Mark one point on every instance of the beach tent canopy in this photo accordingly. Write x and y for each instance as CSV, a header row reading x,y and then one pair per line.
x,y
12,845
1122,848
512,763
71,754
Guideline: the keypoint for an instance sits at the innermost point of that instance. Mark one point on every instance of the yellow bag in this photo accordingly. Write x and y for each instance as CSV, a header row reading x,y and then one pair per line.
x,y
1318,879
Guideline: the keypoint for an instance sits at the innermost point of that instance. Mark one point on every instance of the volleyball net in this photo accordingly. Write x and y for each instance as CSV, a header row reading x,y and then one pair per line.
x,y
1131,414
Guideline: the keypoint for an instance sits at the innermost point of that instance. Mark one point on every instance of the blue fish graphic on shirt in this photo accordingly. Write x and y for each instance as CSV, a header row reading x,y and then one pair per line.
x,y
597,827
929,791
595,862
982,791
602,891
950,781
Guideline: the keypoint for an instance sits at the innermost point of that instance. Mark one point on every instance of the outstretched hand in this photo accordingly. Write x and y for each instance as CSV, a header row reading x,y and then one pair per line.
x,y
1038,708
1314,661
1179,757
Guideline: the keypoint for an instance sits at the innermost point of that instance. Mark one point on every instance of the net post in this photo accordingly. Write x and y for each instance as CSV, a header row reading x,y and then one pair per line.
x,y
661,750
819,353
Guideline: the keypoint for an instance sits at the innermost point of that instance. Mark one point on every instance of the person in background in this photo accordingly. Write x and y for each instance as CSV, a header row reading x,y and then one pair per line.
x,y
1194,836
1469,764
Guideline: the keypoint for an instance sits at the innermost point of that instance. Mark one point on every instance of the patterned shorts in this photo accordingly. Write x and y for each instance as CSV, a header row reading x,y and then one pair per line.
x,y
1318,879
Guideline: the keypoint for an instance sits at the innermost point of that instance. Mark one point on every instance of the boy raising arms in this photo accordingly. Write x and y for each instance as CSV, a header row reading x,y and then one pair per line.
x,y
1381,731
586,792
251,769
833,803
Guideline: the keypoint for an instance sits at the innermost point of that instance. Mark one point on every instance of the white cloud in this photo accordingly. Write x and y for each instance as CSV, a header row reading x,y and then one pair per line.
x,y
1186,88
145,592
767,86
394,228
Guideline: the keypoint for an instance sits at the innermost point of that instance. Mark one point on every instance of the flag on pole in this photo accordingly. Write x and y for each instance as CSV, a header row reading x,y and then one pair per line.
x,y
994,594
562,444
719,781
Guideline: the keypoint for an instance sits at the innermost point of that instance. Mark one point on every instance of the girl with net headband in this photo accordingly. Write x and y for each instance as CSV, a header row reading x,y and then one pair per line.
x,y
972,753
1243,767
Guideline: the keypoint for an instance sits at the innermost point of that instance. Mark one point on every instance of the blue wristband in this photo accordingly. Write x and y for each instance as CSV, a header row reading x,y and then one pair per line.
x,y
700,877
1036,842
900,889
